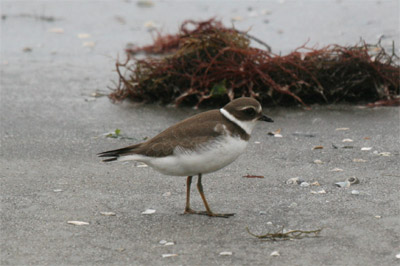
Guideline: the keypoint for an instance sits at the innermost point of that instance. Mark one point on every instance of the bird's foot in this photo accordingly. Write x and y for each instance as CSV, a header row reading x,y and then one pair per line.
x,y
211,214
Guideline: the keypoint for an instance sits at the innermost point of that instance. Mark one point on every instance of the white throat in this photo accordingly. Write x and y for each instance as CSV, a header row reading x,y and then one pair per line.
x,y
247,126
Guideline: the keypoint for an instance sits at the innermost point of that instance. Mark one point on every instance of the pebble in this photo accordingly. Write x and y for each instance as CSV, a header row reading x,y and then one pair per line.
x,y
398,256
275,254
378,216
347,140
278,136
359,160
225,253
167,194
318,192
316,183
269,223
355,192
318,162
262,213
57,190
162,242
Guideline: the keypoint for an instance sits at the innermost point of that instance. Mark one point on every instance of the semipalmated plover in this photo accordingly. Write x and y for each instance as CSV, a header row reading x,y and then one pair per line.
x,y
198,145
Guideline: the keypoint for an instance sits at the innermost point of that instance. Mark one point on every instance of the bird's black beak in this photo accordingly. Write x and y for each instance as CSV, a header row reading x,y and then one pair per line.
x,y
265,118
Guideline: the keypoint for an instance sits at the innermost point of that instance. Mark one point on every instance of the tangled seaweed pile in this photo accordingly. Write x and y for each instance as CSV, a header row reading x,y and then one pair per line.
x,y
211,65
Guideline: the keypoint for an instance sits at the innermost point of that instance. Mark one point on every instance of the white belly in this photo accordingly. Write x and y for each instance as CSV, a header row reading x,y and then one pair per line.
x,y
206,159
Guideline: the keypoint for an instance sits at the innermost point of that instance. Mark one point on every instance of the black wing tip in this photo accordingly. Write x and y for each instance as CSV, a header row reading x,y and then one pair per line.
x,y
110,159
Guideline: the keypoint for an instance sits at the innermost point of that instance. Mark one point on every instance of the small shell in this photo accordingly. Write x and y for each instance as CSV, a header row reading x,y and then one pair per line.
x,y
343,184
149,211
305,184
294,181
169,255
336,170
108,213
77,223
275,254
226,253
366,148
347,140
355,192
318,162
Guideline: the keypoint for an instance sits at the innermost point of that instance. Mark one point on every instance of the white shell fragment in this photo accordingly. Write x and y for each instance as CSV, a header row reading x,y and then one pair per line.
x,y
398,256
169,244
355,192
56,30
305,184
322,191
366,148
226,253
108,213
294,181
169,255
275,254
57,190
378,216
318,162
337,170
149,211
166,194
347,140
344,184
89,44
83,35
162,242
278,136
77,223
384,153
357,160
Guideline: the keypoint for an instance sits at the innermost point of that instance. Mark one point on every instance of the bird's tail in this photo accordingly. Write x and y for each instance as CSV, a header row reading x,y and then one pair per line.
x,y
113,155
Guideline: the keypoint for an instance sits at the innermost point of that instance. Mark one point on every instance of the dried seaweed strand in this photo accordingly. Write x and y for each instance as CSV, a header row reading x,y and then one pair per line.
x,y
281,235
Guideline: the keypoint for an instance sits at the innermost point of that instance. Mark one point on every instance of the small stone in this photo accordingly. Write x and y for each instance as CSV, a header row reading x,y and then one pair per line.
x,y
305,184
257,142
318,162
269,223
316,183
336,170
166,194
142,165
262,213
149,211
169,244
226,253
278,136
347,140
27,50
384,153
378,216
275,254
398,256
162,242
57,190
355,192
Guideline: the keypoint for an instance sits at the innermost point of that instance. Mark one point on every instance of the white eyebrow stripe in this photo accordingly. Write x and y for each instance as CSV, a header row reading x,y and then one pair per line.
x,y
246,107
247,127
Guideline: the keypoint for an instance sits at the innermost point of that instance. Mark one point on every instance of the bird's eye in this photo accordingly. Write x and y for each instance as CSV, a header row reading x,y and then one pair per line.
x,y
249,111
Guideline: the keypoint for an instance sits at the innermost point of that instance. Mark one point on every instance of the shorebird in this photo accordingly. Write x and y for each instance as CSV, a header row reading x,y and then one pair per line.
x,y
198,145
